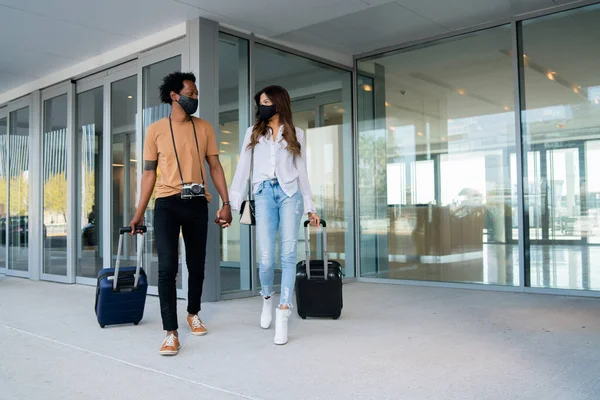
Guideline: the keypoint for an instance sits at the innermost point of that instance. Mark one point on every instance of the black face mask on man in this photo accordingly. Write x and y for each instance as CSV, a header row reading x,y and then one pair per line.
x,y
188,104
266,112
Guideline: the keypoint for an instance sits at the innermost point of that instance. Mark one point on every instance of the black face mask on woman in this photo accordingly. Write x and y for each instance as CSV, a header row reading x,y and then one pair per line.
x,y
266,112
188,104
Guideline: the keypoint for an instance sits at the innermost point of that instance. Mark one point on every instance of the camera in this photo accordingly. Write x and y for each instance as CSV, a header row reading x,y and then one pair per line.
x,y
192,190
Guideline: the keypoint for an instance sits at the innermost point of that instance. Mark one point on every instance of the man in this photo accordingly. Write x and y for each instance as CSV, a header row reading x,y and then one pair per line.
x,y
178,146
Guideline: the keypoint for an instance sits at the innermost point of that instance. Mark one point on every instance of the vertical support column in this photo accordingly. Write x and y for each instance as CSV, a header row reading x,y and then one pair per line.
x,y
348,177
245,119
72,211
520,132
252,229
36,185
203,37
107,179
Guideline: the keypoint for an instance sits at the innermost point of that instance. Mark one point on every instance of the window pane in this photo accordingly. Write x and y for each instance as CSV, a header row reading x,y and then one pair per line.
x,y
123,113
321,106
18,173
153,110
560,128
90,137
3,188
55,185
436,132
233,120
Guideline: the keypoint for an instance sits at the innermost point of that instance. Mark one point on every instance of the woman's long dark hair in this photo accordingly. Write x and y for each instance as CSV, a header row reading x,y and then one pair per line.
x,y
281,99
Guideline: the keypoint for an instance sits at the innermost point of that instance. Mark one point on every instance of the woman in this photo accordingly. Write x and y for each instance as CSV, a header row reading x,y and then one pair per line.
x,y
281,193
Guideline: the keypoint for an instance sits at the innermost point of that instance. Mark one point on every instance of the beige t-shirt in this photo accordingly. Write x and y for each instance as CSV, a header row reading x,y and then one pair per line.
x,y
159,146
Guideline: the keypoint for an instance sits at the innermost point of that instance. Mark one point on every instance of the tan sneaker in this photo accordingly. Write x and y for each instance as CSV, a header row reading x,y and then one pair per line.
x,y
196,326
170,346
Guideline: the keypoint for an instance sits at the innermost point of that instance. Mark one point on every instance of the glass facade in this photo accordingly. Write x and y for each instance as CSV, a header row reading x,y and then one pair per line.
x,y
470,159
561,148
436,130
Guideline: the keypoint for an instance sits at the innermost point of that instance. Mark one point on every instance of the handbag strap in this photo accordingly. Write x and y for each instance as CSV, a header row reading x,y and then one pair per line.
x,y
251,187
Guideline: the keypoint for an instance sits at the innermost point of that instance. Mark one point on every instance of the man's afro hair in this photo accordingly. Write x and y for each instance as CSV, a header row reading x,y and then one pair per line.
x,y
174,82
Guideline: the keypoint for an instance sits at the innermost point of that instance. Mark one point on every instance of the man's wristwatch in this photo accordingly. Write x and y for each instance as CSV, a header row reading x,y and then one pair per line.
x,y
226,203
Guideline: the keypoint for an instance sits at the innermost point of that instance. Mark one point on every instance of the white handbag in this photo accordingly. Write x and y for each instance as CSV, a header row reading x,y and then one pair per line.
x,y
247,216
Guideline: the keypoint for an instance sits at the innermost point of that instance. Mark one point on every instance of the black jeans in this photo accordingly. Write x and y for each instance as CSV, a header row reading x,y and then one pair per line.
x,y
191,216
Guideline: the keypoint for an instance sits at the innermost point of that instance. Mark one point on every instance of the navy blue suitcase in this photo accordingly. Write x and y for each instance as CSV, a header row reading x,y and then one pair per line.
x,y
318,283
121,300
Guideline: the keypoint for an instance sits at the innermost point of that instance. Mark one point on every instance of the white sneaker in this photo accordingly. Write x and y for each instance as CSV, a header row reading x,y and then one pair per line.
x,y
281,325
267,313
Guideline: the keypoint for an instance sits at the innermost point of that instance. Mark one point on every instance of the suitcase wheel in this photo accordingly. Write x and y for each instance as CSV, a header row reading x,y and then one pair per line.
x,y
303,316
337,316
102,326
136,322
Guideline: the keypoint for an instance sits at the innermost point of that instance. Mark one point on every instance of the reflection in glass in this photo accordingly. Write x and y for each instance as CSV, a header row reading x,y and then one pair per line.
x,y
153,110
123,113
233,108
561,122
18,175
90,128
436,132
321,106
3,188
54,162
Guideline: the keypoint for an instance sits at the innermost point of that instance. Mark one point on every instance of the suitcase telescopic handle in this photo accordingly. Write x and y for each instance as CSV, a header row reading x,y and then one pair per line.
x,y
123,231
307,248
323,223
127,229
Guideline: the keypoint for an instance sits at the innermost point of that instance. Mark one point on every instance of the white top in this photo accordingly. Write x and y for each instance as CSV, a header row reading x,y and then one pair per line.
x,y
272,160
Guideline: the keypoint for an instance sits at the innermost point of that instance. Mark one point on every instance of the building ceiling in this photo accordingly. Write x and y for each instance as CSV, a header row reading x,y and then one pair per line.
x,y
38,38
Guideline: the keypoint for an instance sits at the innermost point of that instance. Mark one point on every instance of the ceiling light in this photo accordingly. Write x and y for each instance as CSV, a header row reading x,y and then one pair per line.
x,y
222,151
130,97
420,133
550,75
387,104
576,90
367,88
225,131
460,91
597,101
561,126
506,108
444,139
224,142
450,120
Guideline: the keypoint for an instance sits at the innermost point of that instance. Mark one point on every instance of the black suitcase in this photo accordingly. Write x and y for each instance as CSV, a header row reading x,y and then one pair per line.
x,y
318,283
121,291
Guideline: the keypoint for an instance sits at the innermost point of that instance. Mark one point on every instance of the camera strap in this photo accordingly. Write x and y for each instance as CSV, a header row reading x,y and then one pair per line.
x,y
177,156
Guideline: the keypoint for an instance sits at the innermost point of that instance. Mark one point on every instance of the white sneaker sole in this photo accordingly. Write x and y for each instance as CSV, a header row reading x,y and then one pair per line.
x,y
199,333
169,352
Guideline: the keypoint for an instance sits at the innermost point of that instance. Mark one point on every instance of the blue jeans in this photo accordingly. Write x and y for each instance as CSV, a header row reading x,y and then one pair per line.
x,y
276,211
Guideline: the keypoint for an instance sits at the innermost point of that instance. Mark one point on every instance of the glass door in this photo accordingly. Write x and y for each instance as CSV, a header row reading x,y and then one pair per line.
x,y
152,68
19,167
234,118
89,138
123,171
557,205
56,104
